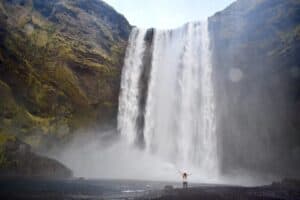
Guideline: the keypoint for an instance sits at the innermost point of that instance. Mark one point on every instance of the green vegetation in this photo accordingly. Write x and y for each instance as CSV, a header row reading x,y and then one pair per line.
x,y
6,137
60,67
4,160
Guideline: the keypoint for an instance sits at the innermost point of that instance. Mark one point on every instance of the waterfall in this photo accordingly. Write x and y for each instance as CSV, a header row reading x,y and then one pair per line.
x,y
179,113
129,93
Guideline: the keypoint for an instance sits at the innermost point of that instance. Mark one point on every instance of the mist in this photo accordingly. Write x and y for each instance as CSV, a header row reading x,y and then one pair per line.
x,y
97,156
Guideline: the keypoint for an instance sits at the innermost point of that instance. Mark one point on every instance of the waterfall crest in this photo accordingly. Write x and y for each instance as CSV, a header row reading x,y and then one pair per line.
x,y
179,122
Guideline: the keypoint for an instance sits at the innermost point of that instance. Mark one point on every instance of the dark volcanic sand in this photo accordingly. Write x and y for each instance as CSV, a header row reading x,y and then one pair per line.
x,y
42,189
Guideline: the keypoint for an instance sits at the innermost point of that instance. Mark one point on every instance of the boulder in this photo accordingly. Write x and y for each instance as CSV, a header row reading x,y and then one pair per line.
x,y
17,159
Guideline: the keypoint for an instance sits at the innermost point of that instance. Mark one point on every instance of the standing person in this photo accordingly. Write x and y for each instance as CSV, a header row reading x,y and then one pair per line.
x,y
184,176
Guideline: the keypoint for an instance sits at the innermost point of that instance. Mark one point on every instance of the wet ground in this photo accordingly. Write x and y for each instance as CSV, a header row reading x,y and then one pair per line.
x,y
230,193
20,188
24,188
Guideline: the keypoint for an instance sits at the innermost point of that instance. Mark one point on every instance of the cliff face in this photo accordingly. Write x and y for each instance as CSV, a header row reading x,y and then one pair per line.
x,y
256,46
60,65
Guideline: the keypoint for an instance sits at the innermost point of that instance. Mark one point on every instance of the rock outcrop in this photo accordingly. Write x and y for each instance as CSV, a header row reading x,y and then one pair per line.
x,y
60,66
17,159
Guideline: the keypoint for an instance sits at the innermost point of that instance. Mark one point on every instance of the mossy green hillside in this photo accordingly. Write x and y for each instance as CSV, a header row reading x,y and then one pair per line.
x,y
4,160
60,66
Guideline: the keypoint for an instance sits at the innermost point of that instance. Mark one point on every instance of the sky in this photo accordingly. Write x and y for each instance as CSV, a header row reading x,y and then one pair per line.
x,y
166,14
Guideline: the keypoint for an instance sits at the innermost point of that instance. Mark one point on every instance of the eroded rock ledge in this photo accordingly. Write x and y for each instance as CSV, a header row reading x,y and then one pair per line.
x,y
17,159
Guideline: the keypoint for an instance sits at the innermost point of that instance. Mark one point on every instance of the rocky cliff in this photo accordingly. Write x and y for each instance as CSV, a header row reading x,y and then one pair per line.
x,y
17,159
256,45
60,65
